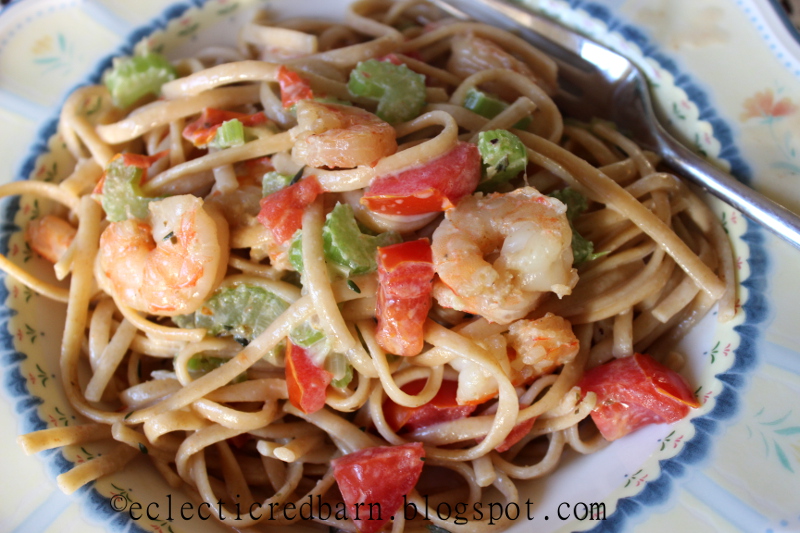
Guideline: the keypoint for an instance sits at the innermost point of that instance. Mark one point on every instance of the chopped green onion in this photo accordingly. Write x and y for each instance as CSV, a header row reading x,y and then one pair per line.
x,y
576,202
298,175
353,286
503,155
399,90
131,78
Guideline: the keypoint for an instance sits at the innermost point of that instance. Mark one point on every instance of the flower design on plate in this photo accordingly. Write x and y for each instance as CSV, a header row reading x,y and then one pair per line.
x,y
777,434
53,56
770,109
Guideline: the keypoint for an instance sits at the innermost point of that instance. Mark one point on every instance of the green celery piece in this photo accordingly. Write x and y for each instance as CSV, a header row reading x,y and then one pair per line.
x,y
399,90
338,365
201,364
130,78
306,335
582,248
122,197
488,106
242,311
346,247
229,134
295,253
503,156
273,182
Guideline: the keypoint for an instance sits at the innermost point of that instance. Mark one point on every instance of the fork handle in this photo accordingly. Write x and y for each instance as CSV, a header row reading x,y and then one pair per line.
x,y
757,207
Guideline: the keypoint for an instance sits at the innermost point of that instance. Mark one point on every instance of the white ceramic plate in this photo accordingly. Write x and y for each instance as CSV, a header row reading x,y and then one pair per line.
x,y
49,46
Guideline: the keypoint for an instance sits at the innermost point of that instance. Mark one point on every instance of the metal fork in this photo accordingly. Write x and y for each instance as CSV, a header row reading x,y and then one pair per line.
x,y
596,82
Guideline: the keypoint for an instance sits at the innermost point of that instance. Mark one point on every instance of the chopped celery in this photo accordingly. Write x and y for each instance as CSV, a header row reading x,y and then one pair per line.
x,y
582,248
273,182
295,253
399,90
503,156
122,196
201,364
130,78
346,248
229,134
489,107
241,311
338,365
306,335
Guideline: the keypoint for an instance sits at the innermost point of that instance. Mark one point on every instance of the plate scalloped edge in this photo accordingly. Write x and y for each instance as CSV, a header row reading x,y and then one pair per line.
x,y
735,379
656,492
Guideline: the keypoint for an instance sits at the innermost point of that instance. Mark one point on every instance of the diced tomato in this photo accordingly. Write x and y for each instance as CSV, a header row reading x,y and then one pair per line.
x,y
393,59
282,211
251,171
293,87
305,381
140,160
434,186
375,480
636,391
519,431
442,408
405,275
202,131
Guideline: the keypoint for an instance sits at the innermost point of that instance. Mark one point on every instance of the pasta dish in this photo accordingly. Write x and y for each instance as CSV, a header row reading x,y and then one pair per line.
x,y
367,265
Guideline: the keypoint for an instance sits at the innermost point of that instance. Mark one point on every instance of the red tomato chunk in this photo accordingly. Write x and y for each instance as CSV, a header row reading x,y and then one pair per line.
x,y
373,482
434,186
305,381
282,211
293,87
405,274
202,131
442,408
635,391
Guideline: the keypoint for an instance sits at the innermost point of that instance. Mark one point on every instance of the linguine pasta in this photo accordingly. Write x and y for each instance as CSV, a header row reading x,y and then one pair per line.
x,y
218,410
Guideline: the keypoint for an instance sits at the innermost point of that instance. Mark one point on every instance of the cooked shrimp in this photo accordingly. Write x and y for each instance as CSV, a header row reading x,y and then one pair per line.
x,y
476,384
472,54
541,346
530,349
340,136
50,236
168,264
528,240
